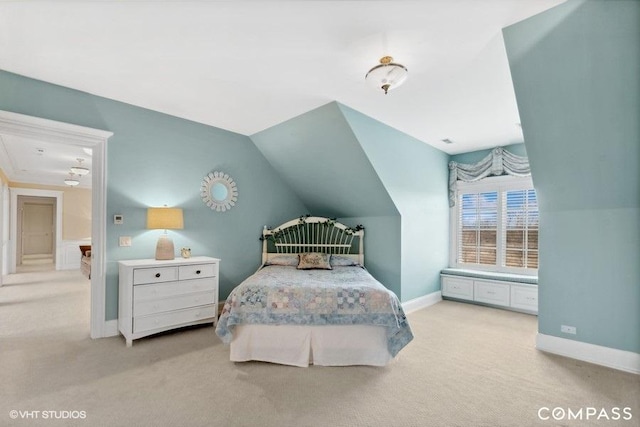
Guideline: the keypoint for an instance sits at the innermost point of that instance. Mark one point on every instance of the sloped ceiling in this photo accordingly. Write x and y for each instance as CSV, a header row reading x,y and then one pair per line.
x,y
320,158
246,66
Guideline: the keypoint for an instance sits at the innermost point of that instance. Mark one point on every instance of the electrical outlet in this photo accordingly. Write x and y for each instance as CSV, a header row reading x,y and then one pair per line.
x,y
568,329
125,241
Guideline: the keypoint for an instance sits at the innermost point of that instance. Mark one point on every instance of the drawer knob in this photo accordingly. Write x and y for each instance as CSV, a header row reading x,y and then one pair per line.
x,y
157,274
197,271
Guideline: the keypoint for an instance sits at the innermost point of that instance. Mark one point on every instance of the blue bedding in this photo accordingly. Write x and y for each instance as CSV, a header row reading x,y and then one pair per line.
x,y
277,295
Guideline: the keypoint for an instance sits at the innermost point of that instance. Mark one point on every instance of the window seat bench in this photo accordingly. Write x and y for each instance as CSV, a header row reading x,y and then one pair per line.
x,y
512,291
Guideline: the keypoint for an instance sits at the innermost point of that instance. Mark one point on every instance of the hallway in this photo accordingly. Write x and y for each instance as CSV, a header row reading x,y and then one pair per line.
x,y
60,301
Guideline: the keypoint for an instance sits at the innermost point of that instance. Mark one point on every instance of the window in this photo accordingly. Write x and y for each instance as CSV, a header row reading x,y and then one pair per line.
x,y
495,225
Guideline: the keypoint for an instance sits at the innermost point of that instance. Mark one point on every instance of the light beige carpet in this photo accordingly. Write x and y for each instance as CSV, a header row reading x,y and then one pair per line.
x,y
468,366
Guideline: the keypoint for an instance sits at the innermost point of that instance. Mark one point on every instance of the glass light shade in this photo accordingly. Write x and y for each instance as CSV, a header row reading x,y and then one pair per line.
x,y
165,218
387,75
71,182
80,170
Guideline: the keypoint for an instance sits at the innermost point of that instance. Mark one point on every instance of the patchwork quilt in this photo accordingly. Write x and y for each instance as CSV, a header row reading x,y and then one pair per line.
x,y
277,295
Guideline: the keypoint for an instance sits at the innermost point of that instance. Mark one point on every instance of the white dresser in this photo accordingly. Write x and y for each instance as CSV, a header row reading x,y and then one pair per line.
x,y
156,296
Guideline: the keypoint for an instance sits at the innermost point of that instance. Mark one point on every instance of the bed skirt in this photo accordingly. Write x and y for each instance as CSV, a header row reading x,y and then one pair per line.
x,y
296,345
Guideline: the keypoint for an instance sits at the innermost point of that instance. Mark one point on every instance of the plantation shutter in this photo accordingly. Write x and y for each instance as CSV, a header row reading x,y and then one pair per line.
x,y
478,228
521,224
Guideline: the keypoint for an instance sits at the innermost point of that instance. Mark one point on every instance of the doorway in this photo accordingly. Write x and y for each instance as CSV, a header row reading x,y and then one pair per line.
x,y
36,221
57,132
16,232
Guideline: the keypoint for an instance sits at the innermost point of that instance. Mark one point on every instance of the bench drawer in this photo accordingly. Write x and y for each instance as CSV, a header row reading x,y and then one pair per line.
x,y
457,288
492,293
524,297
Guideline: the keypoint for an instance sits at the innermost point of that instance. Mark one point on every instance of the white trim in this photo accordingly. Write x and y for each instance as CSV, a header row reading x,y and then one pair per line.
x,y
610,357
13,218
110,328
50,130
422,302
96,139
499,184
98,238
4,221
492,182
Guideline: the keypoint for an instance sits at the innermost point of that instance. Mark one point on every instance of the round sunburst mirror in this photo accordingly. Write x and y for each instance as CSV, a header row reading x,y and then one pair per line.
x,y
219,191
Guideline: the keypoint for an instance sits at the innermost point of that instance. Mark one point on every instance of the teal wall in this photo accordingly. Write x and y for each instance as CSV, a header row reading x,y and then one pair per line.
x,y
332,161
320,158
318,155
344,164
156,159
416,177
576,71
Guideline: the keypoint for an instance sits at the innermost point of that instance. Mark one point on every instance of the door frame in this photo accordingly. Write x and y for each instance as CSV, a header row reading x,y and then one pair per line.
x,y
13,229
96,139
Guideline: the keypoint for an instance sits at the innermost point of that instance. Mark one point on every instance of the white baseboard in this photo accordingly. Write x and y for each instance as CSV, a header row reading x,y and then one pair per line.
x,y
110,328
421,302
610,357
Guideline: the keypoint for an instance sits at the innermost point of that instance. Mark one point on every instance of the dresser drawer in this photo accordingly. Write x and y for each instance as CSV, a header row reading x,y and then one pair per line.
x,y
162,290
174,318
524,297
196,271
491,293
154,275
457,288
145,307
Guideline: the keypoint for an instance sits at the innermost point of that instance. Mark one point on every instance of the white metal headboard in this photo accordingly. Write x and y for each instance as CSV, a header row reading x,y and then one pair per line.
x,y
314,234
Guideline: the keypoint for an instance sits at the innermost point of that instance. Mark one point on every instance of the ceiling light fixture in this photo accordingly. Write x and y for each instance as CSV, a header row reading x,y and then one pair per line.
x,y
79,170
387,75
71,181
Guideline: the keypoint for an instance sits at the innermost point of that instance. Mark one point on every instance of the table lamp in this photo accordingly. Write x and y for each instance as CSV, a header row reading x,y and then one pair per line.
x,y
164,219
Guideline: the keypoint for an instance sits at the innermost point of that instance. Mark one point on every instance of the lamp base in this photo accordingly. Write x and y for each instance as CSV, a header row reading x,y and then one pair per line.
x,y
164,248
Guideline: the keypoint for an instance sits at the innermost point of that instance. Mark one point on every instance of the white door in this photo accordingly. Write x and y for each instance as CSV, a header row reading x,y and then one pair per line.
x,y
37,229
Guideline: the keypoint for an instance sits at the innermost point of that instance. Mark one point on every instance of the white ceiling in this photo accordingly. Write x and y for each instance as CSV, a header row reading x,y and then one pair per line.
x,y
245,66
40,162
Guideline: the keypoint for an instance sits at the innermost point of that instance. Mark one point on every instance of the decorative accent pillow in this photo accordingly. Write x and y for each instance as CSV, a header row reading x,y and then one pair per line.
x,y
342,261
310,260
290,260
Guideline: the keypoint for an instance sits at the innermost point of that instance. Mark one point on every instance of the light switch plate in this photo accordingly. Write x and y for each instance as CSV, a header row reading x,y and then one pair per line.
x,y
125,240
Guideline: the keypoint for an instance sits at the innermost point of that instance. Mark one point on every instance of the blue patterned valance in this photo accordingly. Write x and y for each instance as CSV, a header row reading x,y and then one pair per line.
x,y
498,162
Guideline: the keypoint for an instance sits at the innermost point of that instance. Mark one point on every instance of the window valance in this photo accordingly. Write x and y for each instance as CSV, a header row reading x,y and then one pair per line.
x,y
498,162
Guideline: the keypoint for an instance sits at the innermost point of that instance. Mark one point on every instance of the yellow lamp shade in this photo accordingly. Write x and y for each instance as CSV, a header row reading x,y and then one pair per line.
x,y
165,218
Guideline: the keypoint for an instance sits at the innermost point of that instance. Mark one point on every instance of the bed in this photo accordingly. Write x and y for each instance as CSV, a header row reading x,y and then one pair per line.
x,y
313,302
